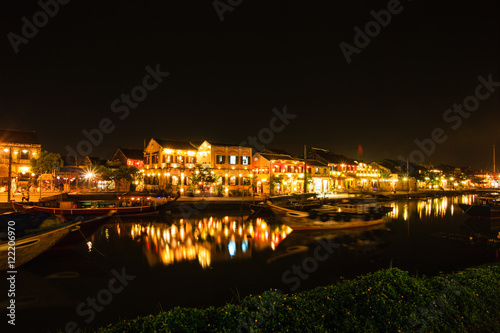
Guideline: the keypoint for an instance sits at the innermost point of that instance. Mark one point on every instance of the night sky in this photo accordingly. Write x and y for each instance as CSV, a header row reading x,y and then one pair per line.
x,y
226,77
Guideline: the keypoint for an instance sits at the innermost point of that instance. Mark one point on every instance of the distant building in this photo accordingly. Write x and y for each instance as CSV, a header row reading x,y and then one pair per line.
x,y
278,173
129,157
342,169
18,147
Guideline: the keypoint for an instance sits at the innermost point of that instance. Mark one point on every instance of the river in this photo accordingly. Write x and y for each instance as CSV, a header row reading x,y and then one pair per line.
x,y
139,266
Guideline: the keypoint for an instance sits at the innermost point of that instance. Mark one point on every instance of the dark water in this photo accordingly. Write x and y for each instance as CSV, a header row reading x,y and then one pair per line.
x,y
142,265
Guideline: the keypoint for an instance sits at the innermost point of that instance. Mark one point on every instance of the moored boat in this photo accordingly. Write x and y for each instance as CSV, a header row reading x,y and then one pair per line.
x,y
19,247
301,202
78,206
485,206
350,213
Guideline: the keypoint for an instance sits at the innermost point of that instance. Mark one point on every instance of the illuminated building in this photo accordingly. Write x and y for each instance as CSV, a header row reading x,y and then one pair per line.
x,y
232,164
17,148
129,157
342,169
168,162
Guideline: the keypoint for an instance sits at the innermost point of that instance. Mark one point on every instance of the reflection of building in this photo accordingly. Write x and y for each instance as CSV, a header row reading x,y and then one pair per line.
x,y
205,240
18,147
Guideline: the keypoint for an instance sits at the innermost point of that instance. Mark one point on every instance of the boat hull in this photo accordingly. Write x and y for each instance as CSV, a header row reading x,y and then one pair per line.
x,y
327,219
32,244
125,211
481,211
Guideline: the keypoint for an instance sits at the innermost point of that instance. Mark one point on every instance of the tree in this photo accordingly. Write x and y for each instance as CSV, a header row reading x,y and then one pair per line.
x,y
205,176
46,163
275,181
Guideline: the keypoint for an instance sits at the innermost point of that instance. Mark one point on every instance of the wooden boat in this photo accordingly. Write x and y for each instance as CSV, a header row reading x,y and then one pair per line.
x,y
350,213
71,209
302,202
28,244
485,206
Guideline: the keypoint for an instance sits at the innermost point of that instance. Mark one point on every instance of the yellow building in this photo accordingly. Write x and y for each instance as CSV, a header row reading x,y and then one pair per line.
x,y
231,164
172,163
168,162
278,173
16,149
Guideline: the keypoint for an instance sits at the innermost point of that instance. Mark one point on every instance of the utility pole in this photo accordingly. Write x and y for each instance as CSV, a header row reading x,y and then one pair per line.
x,y
494,167
408,173
305,169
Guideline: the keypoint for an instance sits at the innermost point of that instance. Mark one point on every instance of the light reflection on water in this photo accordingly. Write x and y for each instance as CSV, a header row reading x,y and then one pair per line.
x,y
205,239
428,207
200,260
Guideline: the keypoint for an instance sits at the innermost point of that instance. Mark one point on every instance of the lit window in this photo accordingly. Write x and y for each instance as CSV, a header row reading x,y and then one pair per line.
x,y
220,159
245,160
233,159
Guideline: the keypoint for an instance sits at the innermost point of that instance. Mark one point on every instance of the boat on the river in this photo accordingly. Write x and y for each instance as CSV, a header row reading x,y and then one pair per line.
x,y
98,204
18,246
349,213
299,201
485,206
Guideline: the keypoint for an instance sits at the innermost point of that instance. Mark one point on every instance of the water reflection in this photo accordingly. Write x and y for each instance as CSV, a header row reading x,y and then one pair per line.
x,y
206,239
428,207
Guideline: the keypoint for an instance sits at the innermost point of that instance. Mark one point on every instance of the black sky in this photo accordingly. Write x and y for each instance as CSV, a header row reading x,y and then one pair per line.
x,y
226,77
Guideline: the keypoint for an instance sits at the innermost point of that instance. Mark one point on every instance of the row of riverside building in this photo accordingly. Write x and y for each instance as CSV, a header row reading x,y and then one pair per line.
x,y
237,170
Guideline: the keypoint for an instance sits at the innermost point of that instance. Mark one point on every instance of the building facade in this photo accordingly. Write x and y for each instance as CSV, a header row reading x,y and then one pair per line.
x,y
17,148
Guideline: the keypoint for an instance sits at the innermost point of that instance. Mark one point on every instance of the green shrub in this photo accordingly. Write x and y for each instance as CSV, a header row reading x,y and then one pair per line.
x,y
385,301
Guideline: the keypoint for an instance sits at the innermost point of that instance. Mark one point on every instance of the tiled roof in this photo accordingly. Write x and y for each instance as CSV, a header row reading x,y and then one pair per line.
x,y
174,144
132,153
275,151
271,157
329,157
19,137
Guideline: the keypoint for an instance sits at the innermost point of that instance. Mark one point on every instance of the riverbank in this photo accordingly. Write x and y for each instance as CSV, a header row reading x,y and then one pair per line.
x,y
385,301
196,205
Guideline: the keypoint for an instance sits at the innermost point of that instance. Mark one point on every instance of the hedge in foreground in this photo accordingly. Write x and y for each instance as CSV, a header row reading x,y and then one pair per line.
x,y
385,301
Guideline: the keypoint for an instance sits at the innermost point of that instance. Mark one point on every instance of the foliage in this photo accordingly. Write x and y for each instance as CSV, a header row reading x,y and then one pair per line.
x,y
385,174
274,181
385,301
46,163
